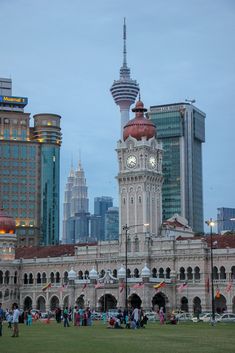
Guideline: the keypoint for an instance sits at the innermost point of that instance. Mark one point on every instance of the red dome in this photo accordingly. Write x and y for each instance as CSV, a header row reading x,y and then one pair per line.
x,y
7,223
139,126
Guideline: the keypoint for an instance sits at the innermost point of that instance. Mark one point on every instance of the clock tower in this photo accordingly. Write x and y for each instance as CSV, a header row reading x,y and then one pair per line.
x,y
140,176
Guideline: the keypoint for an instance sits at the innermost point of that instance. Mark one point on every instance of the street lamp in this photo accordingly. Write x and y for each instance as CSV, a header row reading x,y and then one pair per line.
x,y
126,228
211,224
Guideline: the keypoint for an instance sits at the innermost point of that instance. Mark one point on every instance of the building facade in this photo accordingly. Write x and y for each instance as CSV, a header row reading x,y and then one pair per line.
x,y
225,219
112,224
101,206
29,169
181,130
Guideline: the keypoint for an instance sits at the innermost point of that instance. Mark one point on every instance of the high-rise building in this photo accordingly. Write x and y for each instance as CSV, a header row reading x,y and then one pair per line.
x,y
124,90
76,205
181,129
112,223
101,205
29,169
225,219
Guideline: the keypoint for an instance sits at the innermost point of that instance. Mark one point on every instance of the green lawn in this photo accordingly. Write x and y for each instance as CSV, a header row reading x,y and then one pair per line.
x,y
183,338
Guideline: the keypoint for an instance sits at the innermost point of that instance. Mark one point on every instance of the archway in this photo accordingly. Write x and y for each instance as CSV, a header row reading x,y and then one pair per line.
x,y
66,301
220,304
197,308
54,303
41,304
27,303
107,302
159,301
80,301
233,307
134,301
184,304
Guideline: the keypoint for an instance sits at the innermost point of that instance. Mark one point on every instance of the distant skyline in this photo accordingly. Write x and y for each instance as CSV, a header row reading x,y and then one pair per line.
x,y
64,56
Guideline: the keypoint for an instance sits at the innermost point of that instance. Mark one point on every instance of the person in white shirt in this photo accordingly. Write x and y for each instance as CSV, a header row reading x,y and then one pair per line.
x,y
15,321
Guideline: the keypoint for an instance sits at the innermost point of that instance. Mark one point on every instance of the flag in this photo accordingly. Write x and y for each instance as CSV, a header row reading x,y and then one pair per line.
x,y
160,285
217,293
121,287
207,284
99,285
48,285
229,287
63,287
138,285
84,286
182,287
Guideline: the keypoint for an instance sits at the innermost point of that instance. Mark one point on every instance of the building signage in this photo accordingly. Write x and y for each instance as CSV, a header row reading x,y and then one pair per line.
x,y
13,100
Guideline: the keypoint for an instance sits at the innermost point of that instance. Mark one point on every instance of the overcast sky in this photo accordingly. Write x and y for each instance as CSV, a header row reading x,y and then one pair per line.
x,y
64,56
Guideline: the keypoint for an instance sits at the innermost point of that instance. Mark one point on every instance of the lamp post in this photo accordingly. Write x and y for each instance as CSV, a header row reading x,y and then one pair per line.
x,y
126,228
211,223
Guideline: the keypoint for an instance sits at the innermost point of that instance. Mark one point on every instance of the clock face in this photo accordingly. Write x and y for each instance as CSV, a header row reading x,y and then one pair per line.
x,y
152,162
131,161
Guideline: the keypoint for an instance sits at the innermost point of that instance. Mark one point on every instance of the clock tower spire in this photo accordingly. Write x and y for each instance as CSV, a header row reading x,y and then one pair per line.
x,y
140,175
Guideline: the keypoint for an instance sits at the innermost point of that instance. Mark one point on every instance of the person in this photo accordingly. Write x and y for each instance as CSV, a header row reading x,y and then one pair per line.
x,y
111,322
15,320
9,318
144,321
66,317
1,318
29,318
162,316
136,316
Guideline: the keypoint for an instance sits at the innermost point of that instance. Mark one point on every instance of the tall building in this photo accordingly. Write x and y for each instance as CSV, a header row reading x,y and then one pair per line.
x,y
101,206
112,223
140,176
76,205
225,219
181,129
29,169
124,90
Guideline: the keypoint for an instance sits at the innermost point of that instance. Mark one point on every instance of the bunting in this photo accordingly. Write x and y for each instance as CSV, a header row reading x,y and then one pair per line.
x,y
47,286
121,287
99,285
138,285
160,285
229,287
182,286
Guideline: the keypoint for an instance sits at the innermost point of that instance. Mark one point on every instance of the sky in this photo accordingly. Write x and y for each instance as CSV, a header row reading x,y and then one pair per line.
x,y
65,55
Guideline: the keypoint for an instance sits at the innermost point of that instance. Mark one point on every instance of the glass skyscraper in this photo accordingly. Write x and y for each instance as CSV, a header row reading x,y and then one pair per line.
x,y
181,129
101,205
225,219
29,169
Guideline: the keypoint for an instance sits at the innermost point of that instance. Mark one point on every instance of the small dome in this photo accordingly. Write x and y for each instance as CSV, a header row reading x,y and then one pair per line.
x,y
139,126
72,274
7,223
121,272
145,271
93,274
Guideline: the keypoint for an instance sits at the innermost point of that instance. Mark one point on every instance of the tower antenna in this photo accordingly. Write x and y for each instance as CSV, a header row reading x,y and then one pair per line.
x,y
124,43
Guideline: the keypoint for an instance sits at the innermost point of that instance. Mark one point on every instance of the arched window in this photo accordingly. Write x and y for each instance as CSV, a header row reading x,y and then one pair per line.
x,y
233,273
52,277
80,275
44,278
15,277
1,277
25,278
137,245
154,272
102,273
57,277
182,274
39,280
136,273
124,201
139,199
128,273
215,273
86,274
168,272
115,273
222,273
30,278
161,272
7,277
197,273
189,273
132,200
66,277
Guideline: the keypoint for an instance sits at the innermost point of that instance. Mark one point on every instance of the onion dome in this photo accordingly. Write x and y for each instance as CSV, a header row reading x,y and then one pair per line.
x,y
139,126
121,272
93,274
145,271
72,274
7,223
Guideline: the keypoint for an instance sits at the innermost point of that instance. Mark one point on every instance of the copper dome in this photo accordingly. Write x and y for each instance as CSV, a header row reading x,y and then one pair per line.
x,y
139,126
7,223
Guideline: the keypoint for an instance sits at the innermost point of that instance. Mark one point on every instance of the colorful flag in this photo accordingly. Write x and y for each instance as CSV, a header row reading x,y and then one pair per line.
x,y
160,285
229,287
182,287
48,285
121,287
99,285
217,293
138,285
84,286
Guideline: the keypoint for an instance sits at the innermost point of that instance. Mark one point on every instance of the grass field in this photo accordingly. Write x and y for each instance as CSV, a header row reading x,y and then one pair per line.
x,y
183,338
